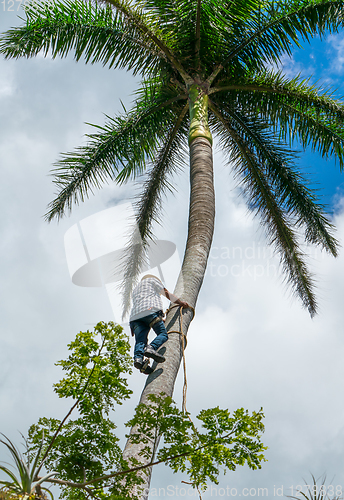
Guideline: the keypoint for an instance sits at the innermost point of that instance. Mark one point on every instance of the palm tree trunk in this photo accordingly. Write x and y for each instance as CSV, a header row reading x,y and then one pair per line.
x,y
200,234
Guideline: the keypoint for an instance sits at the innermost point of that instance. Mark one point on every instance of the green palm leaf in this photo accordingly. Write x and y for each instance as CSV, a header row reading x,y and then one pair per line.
x,y
272,29
257,86
119,151
289,186
148,207
150,28
91,31
262,197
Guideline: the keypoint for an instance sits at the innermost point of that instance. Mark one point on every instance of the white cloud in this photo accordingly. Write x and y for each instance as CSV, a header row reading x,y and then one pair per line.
x,y
291,68
7,87
336,43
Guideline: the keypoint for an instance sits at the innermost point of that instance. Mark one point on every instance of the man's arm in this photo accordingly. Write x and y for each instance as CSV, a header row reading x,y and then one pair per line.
x,y
174,299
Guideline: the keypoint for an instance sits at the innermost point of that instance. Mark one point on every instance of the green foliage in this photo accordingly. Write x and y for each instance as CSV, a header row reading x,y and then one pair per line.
x,y
84,453
87,447
98,361
25,484
121,148
224,441
58,27
5,494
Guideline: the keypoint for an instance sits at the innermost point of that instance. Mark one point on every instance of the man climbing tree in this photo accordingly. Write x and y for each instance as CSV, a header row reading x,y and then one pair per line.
x,y
147,313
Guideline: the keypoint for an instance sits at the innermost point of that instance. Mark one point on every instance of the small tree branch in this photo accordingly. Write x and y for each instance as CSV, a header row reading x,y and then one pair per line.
x,y
135,469
80,486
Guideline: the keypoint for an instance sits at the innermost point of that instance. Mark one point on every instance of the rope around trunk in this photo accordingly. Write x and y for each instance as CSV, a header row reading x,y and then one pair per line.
x,y
183,341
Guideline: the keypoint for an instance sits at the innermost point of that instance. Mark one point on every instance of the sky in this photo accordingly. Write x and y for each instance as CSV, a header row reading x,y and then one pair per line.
x,y
250,345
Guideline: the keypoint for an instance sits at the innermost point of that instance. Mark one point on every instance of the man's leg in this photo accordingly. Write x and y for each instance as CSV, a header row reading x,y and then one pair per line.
x,y
161,335
140,330
151,350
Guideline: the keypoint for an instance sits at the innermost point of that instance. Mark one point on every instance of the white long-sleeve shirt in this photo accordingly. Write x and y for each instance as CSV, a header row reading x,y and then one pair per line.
x,y
147,298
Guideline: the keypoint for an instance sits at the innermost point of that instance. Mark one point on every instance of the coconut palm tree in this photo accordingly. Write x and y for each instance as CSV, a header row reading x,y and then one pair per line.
x,y
206,68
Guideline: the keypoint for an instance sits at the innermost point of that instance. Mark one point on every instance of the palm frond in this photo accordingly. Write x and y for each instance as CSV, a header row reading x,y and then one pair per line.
x,y
149,27
299,122
176,25
88,30
297,112
273,29
149,205
317,132
118,152
290,189
261,196
255,86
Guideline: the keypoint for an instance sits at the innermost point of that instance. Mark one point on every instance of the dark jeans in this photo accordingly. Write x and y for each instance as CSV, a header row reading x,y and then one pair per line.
x,y
140,328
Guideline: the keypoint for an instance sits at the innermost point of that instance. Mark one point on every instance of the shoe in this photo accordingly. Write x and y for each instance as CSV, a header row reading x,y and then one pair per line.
x,y
151,353
147,370
138,363
143,366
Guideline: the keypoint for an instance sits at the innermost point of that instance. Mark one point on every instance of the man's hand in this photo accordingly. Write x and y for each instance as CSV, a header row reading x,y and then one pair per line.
x,y
182,303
